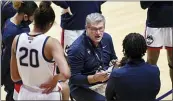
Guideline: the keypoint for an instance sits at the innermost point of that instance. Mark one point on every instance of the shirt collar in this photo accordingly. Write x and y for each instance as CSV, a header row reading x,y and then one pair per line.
x,y
135,62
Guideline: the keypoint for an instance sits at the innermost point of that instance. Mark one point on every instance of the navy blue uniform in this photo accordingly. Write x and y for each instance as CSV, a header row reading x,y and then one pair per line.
x,y
160,13
83,62
9,32
7,11
135,81
79,9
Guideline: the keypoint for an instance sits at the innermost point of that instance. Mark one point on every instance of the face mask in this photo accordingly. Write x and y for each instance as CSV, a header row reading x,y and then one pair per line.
x,y
26,23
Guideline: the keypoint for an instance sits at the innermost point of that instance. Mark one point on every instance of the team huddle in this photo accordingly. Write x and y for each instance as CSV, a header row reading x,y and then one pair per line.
x,y
84,66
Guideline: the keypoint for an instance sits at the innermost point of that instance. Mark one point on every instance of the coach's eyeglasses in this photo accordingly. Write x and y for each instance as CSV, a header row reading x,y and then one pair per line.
x,y
94,29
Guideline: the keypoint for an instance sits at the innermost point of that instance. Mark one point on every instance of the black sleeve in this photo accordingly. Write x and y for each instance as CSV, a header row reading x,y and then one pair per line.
x,y
110,89
146,4
62,4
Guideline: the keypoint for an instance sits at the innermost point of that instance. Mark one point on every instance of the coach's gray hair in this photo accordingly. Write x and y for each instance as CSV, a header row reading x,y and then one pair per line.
x,y
94,18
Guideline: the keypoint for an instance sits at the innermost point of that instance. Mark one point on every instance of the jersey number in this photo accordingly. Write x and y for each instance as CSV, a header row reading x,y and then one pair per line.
x,y
33,55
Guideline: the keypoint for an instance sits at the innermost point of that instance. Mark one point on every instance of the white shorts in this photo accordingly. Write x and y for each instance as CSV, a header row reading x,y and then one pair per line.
x,y
15,95
159,37
69,36
30,94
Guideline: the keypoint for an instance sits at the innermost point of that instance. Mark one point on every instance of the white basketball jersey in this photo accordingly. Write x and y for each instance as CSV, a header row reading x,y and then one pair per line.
x,y
33,67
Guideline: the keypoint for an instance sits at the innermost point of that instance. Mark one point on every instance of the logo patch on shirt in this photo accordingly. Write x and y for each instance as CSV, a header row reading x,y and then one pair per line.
x,y
104,46
30,39
88,51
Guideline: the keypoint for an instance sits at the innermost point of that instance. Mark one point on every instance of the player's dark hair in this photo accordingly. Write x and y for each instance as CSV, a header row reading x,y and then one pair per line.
x,y
44,15
26,7
123,61
134,46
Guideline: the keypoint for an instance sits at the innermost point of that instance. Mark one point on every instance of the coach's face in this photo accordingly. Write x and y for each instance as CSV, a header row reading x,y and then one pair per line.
x,y
95,31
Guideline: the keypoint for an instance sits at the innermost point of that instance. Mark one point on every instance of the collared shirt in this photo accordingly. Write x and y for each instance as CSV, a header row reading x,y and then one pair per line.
x,y
135,81
84,58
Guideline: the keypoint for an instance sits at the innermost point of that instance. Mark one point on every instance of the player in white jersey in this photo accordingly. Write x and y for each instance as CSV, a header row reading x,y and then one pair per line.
x,y
34,57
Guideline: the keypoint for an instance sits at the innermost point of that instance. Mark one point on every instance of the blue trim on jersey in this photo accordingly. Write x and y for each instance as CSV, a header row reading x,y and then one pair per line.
x,y
43,51
33,35
17,42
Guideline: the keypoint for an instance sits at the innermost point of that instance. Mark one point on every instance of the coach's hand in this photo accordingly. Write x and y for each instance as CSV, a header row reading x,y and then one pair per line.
x,y
114,63
101,76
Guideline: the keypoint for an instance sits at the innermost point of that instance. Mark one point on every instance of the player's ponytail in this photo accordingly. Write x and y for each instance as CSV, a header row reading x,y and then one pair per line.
x,y
44,6
44,15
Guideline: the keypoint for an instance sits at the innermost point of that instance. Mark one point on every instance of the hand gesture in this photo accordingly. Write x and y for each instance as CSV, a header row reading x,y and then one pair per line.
x,y
67,11
49,86
114,63
101,76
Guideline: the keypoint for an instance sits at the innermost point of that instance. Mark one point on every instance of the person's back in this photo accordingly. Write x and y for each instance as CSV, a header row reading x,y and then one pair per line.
x,y
139,81
31,60
136,80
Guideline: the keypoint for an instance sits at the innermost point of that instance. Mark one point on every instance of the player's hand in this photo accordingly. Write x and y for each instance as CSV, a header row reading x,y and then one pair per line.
x,y
67,11
114,63
49,86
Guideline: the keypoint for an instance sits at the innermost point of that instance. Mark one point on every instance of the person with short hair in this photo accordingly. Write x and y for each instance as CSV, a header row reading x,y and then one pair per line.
x,y
89,57
73,18
135,80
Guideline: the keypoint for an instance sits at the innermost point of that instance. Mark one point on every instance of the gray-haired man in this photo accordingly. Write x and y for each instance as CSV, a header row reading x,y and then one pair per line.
x,y
89,58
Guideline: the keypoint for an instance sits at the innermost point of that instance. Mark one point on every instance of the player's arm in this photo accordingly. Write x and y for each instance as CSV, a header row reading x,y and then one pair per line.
x,y
58,55
64,5
56,52
13,64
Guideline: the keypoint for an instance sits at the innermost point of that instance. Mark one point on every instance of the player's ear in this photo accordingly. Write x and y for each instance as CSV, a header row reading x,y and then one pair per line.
x,y
25,17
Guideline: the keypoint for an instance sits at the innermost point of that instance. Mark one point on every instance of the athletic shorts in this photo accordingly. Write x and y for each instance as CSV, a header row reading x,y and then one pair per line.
x,y
69,36
27,93
159,37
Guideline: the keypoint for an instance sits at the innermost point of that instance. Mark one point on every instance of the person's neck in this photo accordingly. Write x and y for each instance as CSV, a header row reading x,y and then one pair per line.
x,y
134,59
92,42
16,19
36,31
95,44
